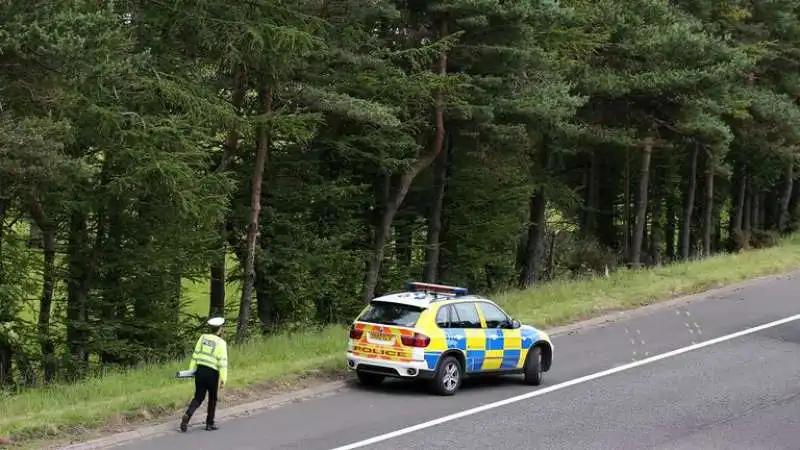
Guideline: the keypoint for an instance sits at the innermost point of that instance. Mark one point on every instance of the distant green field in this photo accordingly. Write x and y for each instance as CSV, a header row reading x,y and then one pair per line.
x,y
152,391
195,295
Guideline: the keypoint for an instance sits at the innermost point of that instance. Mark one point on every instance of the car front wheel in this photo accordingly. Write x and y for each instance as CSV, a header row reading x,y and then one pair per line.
x,y
448,377
533,367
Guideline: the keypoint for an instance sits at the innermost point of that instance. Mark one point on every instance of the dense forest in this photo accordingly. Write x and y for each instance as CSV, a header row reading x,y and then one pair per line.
x,y
320,153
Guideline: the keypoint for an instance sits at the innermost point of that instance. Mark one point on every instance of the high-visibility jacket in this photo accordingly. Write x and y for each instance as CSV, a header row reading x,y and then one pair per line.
x,y
212,351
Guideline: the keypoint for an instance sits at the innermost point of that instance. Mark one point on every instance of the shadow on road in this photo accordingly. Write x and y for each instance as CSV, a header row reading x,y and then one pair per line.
x,y
400,387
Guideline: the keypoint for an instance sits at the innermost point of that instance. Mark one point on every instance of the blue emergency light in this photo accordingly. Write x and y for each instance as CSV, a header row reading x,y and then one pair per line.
x,y
416,286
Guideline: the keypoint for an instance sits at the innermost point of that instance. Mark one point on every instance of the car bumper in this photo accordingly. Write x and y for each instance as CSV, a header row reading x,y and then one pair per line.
x,y
413,369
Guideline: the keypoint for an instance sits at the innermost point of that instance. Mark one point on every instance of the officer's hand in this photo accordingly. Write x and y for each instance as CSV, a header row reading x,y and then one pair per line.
x,y
221,385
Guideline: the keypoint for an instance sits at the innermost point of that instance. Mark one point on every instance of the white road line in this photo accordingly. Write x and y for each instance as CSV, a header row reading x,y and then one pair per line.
x,y
566,384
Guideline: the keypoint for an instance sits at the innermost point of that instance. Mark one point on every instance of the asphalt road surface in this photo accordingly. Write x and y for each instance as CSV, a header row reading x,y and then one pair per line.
x,y
739,393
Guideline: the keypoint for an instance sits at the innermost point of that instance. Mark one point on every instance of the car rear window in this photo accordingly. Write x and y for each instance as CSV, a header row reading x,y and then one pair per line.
x,y
385,313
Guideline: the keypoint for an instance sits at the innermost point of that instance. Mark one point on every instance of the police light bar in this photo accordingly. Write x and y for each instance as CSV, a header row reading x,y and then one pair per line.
x,y
437,288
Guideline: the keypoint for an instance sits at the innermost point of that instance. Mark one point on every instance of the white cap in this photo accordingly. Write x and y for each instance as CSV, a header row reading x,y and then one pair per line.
x,y
216,321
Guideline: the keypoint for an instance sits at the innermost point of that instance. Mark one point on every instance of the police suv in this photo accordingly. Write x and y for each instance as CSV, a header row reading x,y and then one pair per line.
x,y
442,334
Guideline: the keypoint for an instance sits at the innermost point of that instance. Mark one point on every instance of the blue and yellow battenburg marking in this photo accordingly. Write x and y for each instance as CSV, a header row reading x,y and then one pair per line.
x,y
485,349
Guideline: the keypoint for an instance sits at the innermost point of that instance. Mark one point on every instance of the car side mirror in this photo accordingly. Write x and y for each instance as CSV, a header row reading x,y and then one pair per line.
x,y
515,324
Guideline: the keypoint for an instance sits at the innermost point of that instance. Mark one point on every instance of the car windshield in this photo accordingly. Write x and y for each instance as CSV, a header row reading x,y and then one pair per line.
x,y
384,313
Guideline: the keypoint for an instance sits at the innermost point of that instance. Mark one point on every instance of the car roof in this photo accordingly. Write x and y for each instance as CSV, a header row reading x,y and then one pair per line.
x,y
426,300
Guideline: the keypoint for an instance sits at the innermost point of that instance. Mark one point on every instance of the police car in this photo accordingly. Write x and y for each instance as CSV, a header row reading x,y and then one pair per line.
x,y
442,334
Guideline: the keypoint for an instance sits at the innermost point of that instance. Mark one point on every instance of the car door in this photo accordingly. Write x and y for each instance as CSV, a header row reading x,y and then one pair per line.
x,y
452,337
503,343
467,323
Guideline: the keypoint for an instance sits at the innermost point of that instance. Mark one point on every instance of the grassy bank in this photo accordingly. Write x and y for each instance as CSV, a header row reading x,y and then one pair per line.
x,y
152,391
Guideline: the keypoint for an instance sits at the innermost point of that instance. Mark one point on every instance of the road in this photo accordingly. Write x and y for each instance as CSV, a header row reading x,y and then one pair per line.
x,y
741,393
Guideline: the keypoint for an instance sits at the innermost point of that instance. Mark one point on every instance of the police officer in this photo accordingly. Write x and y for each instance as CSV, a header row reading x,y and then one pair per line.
x,y
210,360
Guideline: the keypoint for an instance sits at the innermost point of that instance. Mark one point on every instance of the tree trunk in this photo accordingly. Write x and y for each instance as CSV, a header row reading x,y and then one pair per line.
x,y
784,216
717,240
432,251
641,209
747,209
34,235
6,365
669,233
534,249
688,206
262,153
26,369
590,223
551,256
403,183
657,231
626,220
737,218
755,208
113,302
46,304
265,305
708,209
216,304
46,343
770,201
794,207
446,243
6,351
403,244
78,282
645,247
607,234
390,207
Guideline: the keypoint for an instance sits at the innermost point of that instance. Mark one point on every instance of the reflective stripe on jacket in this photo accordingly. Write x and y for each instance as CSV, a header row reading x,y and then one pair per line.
x,y
211,351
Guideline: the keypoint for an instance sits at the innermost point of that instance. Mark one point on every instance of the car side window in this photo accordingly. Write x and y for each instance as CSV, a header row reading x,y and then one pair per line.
x,y
444,317
494,316
467,315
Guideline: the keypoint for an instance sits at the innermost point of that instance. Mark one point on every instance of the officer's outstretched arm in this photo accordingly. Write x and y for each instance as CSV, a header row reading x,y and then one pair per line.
x,y
222,361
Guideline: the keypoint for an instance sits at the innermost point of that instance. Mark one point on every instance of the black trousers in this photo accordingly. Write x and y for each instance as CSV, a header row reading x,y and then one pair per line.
x,y
206,380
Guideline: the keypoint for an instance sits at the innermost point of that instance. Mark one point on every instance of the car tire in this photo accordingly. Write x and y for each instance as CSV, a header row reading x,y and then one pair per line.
x,y
533,367
370,379
447,379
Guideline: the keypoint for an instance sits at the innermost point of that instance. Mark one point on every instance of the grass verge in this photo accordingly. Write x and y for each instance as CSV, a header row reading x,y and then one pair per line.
x,y
562,302
147,393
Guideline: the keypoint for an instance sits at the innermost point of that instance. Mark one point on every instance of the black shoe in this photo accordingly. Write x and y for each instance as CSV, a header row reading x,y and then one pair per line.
x,y
184,423
211,427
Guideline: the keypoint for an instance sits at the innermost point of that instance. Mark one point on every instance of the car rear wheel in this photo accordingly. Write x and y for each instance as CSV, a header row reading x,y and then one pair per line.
x,y
533,367
370,379
448,377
